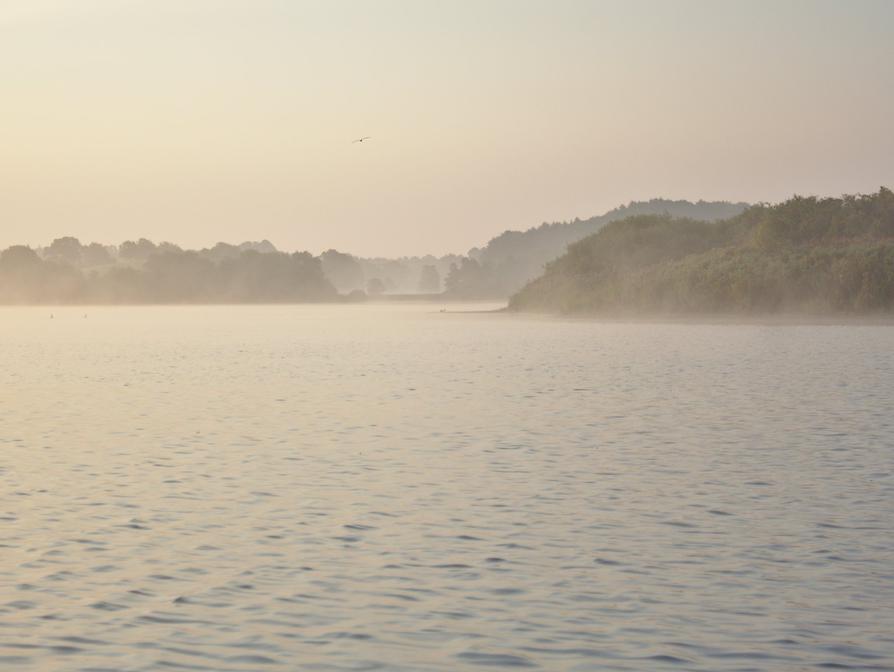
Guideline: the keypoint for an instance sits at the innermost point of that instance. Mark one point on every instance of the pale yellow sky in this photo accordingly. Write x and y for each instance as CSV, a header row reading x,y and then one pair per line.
x,y
203,120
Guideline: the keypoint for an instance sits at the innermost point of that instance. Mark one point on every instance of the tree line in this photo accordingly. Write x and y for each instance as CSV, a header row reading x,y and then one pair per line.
x,y
514,258
143,272
806,254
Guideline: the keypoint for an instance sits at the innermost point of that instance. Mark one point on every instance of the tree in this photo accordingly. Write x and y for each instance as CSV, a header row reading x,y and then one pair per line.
x,y
139,250
221,251
67,249
429,280
95,254
375,287
18,257
343,270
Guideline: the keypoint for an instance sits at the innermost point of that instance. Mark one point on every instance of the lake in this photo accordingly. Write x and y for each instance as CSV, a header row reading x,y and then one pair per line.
x,y
365,487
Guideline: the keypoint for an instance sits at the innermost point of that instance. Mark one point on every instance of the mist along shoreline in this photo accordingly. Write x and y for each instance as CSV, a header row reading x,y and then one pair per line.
x,y
720,318
464,307
756,319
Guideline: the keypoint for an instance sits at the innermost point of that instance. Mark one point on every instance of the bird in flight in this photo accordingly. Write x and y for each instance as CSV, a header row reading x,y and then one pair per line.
x,y
366,137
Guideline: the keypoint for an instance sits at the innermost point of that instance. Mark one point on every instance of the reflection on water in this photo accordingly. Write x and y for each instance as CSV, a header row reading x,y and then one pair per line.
x,y
391,487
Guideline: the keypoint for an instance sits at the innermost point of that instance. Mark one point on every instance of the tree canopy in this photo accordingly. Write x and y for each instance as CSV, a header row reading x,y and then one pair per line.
x,y
806,254
143,272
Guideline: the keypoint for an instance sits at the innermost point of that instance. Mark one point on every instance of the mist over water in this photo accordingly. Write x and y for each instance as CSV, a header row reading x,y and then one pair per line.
x,y
365,487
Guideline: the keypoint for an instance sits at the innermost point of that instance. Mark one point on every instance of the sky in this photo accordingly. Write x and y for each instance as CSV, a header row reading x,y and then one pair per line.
x,y
195,121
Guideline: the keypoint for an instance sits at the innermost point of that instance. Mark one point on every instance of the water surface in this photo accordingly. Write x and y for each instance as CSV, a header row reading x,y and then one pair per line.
x,y
391,487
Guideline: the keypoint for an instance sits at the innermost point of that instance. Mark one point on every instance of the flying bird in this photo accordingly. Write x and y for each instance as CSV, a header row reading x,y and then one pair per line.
x,y
366,137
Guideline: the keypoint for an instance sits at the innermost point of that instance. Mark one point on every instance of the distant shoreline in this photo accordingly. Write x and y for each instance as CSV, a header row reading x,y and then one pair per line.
x,y
379,301
757,319
465,307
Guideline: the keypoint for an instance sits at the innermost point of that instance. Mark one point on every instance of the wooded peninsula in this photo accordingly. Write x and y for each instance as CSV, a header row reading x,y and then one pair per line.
x,y
805,255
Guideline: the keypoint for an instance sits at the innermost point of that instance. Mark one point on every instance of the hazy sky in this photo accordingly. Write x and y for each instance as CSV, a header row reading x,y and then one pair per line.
x,y
203,120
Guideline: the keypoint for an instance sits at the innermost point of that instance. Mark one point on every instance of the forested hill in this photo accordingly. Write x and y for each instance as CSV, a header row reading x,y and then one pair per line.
x,y
513,258
804,255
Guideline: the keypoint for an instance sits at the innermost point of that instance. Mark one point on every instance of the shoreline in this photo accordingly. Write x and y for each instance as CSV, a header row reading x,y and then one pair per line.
x,y
466,307
757,319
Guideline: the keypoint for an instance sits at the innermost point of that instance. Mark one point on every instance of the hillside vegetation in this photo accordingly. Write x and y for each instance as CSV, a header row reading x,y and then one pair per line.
x,y
514,258
804,255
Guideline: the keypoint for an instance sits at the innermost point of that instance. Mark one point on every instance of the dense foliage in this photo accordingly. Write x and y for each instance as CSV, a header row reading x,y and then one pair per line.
x,y
142,272
806,254
514,258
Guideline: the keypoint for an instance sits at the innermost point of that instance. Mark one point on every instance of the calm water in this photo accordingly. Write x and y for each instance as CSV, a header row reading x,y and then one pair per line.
x,y
389,487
